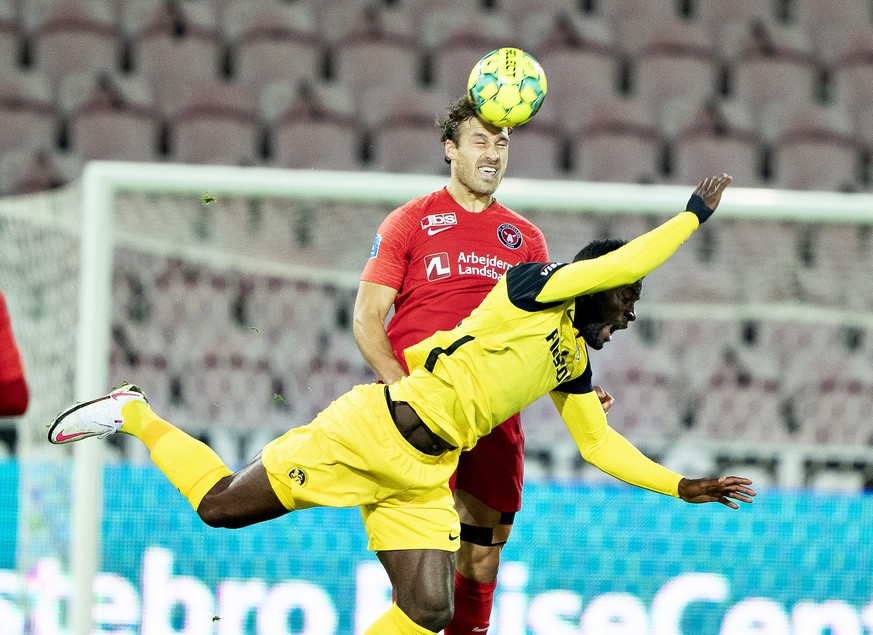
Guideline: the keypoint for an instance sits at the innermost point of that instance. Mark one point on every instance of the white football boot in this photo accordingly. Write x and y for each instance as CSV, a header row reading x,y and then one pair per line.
x,y
96,418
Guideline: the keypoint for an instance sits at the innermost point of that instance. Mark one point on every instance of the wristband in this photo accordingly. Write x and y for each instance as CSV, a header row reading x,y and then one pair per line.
x,y
699,208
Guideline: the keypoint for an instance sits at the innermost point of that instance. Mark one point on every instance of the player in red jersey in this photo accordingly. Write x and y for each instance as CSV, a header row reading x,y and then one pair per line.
x,y
14,395
434,259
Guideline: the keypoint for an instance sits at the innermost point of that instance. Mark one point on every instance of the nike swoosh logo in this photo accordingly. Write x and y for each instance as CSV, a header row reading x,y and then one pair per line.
x,y
116,395
451,537
480,629
436,230
69,437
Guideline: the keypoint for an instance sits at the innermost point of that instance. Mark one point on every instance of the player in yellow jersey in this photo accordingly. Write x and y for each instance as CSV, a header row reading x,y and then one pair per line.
x,y
392,449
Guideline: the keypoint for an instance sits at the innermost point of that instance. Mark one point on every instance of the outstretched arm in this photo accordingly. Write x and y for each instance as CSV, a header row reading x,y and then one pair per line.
x,y
607,450
640,256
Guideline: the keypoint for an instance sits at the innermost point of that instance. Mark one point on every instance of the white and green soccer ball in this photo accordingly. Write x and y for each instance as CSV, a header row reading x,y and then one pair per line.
x,y
507,87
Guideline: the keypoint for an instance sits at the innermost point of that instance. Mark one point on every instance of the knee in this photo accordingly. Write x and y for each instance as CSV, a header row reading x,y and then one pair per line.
x,y
479,562
215,514
485,561
212,515
433,612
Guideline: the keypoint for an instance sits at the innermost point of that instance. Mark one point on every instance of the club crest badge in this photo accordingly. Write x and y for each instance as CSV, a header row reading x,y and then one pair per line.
x,y
509,235
298,475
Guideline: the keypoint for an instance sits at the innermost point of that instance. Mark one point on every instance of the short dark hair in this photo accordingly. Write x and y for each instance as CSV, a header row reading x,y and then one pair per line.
x,y
597,248
457,113
600,247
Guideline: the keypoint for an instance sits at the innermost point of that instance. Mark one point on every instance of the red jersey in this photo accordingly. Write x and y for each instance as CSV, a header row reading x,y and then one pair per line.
x,y
10,360
443,260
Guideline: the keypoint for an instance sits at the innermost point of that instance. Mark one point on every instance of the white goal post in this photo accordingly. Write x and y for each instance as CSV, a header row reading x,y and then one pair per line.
x,y
102,182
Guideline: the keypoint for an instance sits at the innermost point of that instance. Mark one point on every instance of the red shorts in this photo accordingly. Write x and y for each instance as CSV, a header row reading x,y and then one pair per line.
x,y
493,471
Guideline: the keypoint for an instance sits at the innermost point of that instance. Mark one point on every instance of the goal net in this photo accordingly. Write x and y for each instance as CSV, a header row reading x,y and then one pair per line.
x,y
227,295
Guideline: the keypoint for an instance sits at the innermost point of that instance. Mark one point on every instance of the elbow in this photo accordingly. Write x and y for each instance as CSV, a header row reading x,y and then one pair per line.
x,y
361,322
591,453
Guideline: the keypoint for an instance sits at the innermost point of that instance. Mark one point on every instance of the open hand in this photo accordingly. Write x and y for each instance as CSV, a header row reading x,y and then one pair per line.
x,y
711,188
716,490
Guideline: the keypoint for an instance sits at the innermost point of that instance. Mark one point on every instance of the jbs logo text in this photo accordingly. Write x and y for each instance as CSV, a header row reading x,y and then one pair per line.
x,y
439,220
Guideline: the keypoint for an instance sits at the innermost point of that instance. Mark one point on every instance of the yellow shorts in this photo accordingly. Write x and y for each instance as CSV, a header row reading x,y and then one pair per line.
x,y
353,455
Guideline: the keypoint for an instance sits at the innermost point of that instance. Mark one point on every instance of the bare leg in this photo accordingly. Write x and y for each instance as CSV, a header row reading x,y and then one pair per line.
x,y
241,499
423,584
475,561
221,498
478,562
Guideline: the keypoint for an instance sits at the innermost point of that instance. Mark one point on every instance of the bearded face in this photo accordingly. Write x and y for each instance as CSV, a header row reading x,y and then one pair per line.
x,y
480,157
600,315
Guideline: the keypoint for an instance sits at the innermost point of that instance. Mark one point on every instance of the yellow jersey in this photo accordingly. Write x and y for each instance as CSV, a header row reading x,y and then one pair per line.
x,y
520,344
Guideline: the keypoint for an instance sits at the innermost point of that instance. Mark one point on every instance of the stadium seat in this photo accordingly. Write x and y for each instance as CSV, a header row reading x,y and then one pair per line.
x,y
715,137
29,171
670,61
11,40
832,412
214,122
563,245
426,104
833,272
641,374
814,147
538,150
864,125
797,164
373,58
618,11
617,140
687,279
404,134
173,45
748,246
75,36
830,24
312,125
273,299
582,66
563,28
774,64
110,117
272,41
28,112
852,70
831,285
798,346
718,14
227,391
698,346
337,21
457,40
864,132
407,145
525,12
749,410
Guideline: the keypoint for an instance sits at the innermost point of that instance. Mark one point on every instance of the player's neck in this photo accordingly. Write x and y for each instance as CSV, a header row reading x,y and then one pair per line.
x,y
470,201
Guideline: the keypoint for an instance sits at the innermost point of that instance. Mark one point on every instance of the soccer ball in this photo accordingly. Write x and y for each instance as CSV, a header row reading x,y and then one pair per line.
x,y
507,87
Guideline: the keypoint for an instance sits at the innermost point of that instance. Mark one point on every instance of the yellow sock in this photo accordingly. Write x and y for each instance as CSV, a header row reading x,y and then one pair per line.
x,y
395,622
190,465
